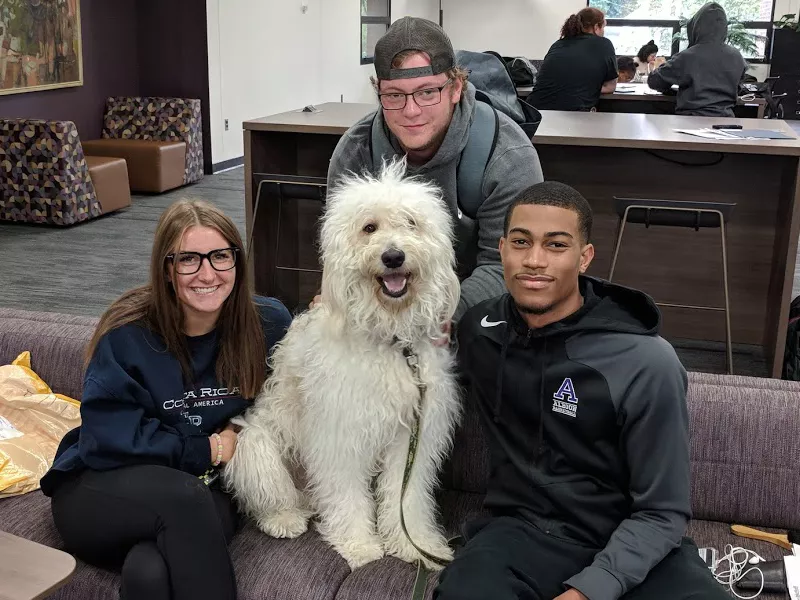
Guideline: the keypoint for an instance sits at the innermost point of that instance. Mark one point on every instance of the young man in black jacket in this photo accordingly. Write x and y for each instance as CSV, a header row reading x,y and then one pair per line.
x,y
584,408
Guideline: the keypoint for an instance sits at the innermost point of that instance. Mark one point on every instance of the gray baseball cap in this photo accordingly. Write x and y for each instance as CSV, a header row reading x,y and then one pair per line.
x,y
413,33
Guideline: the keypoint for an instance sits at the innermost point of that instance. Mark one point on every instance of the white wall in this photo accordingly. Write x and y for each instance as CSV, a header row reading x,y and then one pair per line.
x,y
342,74
264,58
267,56
510,27
784,7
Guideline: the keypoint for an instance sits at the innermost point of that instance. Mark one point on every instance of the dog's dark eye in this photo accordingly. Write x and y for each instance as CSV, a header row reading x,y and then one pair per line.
x,y
412,223
370,228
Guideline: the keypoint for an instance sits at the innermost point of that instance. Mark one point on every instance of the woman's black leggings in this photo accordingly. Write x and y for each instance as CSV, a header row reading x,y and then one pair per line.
x,y
166,528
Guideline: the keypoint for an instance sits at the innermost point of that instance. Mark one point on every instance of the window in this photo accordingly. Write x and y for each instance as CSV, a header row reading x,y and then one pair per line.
x,y
375,20
632,23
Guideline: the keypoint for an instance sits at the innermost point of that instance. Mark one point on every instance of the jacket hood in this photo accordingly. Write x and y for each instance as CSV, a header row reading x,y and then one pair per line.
x,y
607,307
709,25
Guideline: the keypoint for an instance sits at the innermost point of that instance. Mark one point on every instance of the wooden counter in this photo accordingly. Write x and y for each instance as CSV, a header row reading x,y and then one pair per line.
x,y
602,155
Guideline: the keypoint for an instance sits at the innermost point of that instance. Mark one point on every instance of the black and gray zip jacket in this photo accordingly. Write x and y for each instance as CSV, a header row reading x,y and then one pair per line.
x,y
587,427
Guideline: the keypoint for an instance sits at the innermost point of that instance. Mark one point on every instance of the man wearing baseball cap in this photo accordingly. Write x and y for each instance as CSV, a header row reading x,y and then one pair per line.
x,y
427,111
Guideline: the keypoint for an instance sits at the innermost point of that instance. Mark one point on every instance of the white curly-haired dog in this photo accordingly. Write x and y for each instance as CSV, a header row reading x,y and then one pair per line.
x,y
341,400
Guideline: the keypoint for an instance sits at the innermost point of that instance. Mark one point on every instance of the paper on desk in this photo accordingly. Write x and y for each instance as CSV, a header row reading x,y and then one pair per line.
x,y
711,134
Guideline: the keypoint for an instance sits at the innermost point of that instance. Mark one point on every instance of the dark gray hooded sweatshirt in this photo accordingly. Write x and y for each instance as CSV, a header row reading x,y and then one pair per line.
x,y
513,167
708,72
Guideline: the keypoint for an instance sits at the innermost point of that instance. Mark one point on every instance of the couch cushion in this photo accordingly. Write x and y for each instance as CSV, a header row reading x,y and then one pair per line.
x,y
393,579
57,344
165,119
761,383
153,165
266,568
110,178
744,455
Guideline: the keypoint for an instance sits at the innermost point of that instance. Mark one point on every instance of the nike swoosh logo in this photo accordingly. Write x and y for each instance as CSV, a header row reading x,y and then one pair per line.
x,y
485,322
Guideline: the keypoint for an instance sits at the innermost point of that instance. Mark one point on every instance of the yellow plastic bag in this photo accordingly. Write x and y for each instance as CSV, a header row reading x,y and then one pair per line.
x,y
32,422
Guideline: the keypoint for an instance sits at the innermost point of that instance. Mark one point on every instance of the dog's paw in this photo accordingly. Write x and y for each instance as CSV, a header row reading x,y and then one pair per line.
x,y
433,544
289,523
359,553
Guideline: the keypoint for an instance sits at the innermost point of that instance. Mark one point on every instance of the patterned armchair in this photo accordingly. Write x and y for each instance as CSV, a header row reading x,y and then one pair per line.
x,y
45,176
159,119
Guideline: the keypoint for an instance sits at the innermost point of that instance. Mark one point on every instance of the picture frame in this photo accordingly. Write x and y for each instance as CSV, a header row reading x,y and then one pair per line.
x,y
41,47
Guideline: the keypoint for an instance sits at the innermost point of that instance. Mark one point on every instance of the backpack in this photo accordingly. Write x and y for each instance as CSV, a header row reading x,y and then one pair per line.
x,y
492,79
521,70
791,357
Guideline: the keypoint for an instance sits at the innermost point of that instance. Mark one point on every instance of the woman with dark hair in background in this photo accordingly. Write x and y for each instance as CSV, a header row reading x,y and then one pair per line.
x,y
646,59
579,67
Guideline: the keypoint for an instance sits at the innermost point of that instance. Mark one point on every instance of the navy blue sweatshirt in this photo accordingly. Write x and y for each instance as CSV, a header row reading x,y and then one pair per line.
x,y
136,409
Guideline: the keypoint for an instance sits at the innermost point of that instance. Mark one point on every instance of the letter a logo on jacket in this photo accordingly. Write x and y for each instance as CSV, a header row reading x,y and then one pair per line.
x,y
566,392
565,401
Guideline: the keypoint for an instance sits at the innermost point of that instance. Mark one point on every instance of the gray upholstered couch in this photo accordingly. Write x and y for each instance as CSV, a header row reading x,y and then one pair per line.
x,y
745,461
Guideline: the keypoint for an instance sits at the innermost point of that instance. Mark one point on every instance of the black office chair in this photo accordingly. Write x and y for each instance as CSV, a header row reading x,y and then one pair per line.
x,y
677,213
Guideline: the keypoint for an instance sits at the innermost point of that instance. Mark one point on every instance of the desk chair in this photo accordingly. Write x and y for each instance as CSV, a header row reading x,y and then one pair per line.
x,y
676,213
273,189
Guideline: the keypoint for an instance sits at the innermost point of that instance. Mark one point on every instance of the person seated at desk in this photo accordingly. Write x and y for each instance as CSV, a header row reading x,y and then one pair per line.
x,y
579,67
646,59
626,66
708,72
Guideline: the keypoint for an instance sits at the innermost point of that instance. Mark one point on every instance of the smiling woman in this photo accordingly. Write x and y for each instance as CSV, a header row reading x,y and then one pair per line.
x,y
170,364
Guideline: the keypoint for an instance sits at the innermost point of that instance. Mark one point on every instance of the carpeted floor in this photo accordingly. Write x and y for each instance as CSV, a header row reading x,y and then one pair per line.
x,y
39,270
39,263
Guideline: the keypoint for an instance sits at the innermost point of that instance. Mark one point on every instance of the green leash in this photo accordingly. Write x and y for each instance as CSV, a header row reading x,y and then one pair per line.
x,y
421,579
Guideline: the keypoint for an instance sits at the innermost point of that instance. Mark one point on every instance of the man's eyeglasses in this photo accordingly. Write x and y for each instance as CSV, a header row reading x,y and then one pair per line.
x,y
187,263
426,97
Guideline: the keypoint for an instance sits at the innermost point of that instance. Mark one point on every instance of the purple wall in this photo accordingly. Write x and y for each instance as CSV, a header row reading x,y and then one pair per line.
x,y
110,67
130,48
173,55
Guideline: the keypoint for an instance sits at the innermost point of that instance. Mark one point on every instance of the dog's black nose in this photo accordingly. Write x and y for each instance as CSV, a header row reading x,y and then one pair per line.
x,y
393,259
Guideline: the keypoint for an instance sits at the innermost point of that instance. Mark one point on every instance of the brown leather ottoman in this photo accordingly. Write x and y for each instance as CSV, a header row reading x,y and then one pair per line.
x,y
153,166
110,179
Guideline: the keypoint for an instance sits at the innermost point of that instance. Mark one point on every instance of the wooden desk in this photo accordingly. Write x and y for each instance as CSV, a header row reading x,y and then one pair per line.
x,y
29,571
602,155
643,94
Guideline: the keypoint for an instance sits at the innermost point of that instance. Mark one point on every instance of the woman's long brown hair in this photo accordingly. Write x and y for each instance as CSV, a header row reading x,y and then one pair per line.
x,y
579,23
241,361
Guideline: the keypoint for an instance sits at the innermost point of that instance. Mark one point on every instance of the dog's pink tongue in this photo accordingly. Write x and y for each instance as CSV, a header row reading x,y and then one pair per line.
x,y
394,283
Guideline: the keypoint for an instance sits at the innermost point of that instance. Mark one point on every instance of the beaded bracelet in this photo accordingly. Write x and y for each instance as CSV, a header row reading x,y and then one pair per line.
x,y
217,460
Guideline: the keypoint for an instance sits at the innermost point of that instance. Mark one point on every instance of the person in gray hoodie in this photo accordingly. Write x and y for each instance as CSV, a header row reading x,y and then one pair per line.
x,y
708,72
427,110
